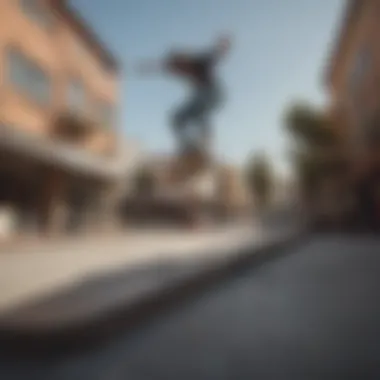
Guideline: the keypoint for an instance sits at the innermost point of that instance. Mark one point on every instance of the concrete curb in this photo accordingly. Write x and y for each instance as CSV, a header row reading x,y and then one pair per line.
x,y
127,316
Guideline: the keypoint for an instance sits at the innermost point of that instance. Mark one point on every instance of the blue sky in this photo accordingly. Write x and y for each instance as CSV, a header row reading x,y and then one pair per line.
x,y
279,53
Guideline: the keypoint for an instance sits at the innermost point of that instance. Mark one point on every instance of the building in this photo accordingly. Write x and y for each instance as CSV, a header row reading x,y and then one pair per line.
x,y
233,191
353,73
173,177
58,117
352,77
173,188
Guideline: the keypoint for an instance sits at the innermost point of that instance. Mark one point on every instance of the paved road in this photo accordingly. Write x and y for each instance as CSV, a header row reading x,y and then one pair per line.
x,y
312,314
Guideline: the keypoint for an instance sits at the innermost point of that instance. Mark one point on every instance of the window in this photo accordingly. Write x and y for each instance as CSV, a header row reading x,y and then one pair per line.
x,y
76,96
106,112
35,10
28,77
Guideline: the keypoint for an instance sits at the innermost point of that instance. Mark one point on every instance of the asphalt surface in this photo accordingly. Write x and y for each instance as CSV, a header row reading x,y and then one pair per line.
x,y
311,314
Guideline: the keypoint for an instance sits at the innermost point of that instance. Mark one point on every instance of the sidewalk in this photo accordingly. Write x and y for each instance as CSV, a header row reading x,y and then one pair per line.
x,y
84,309
37,271
65,304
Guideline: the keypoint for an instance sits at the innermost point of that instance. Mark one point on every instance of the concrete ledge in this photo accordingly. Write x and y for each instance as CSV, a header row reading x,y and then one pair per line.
x,y
55,336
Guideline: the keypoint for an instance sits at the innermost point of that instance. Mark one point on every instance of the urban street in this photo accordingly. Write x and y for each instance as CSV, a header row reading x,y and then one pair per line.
x,y
189,190
312,313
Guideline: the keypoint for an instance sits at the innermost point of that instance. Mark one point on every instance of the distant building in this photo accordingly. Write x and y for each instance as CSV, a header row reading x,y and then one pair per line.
x,y
201,184
217,191
217,183
58,116
233,190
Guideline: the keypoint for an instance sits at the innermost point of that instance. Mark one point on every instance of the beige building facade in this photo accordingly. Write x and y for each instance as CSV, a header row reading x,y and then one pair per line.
x,y
59,101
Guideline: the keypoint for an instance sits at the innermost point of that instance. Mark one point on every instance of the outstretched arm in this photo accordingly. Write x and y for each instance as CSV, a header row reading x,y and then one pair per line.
x,y
174,63
152,67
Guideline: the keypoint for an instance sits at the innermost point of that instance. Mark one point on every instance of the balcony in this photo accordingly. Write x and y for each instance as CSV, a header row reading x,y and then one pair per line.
x,y
60,153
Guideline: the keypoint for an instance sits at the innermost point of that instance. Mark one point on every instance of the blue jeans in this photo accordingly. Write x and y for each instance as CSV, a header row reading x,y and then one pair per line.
x,y
194,116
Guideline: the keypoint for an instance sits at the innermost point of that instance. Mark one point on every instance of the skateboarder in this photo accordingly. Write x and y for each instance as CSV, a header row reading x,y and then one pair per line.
x,y
194,114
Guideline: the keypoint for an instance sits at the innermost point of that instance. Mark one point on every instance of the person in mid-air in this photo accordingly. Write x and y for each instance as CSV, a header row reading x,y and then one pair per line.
x,y
206,97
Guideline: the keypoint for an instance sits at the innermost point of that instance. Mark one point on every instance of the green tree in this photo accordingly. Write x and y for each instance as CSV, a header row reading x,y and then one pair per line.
x,y
260,179
316,150
310,128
